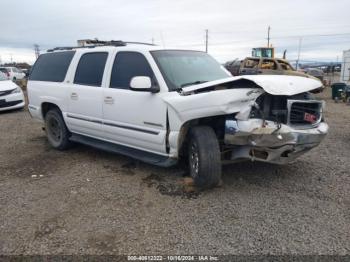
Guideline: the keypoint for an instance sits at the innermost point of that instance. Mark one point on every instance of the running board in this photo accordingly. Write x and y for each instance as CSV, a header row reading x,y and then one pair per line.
x,y
143,156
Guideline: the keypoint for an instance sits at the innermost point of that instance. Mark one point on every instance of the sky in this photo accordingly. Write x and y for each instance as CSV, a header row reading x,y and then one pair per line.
x,y
321,27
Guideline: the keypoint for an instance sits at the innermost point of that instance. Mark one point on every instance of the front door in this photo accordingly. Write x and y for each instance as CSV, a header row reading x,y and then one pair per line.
x,y
133,118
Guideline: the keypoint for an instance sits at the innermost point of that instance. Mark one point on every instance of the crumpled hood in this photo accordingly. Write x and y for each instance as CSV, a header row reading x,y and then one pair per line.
x,y
272,84
7,85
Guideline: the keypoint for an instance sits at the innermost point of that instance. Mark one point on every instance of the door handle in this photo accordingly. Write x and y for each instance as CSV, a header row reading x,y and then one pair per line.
x,y
74,96
109,100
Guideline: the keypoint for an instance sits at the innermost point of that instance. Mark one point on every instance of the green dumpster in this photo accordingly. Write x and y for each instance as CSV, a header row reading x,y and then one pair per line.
x,y
337,88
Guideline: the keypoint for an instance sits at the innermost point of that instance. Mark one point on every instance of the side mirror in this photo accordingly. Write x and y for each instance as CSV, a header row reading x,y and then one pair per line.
x,y
143,83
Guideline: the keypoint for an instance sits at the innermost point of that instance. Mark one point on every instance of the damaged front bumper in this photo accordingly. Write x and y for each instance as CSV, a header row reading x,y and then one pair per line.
x,y
256,139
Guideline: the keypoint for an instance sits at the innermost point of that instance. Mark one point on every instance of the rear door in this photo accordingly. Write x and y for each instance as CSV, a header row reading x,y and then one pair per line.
x,y
85,96
133,118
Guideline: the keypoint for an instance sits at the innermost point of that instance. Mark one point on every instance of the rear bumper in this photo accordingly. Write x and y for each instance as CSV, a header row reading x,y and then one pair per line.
x,y
270,143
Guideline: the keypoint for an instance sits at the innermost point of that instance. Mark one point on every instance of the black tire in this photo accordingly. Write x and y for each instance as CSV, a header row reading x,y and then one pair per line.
x,y
56,130
204,157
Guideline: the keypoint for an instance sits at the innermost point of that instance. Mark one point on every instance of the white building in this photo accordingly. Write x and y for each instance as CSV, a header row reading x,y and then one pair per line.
x,y
345,67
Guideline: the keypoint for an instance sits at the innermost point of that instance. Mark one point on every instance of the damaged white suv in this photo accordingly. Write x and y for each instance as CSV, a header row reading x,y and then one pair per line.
x,y
160,106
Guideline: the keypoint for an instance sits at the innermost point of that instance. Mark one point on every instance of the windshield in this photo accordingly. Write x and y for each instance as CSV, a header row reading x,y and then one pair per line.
x,y
183,68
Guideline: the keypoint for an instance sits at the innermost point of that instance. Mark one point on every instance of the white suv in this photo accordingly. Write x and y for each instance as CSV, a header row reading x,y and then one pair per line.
x,y
160,106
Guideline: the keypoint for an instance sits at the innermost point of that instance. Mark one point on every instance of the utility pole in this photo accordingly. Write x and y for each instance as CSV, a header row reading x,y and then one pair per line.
x,y
37,50
299,50
268,36
206,40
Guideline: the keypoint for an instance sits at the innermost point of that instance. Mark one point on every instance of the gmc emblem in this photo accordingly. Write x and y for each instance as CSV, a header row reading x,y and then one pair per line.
x,y
310,118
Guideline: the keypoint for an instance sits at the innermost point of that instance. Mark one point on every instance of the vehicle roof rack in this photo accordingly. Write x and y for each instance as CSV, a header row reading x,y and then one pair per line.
x,y
92,43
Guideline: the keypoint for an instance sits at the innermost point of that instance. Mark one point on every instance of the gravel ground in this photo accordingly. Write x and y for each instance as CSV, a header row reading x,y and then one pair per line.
x,y
85,201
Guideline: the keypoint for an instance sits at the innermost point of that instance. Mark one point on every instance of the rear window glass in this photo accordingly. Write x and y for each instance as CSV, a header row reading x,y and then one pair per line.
x,y
51,67
90,69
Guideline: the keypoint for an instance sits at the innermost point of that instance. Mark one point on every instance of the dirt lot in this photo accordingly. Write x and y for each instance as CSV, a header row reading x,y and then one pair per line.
x,y
85,201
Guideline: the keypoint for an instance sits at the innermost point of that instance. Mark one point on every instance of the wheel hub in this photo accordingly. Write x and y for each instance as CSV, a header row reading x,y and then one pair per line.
x,y
194,159
54,129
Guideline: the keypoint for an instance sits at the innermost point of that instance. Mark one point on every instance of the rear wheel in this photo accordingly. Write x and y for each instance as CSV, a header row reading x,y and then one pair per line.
x,y
204,157
56,130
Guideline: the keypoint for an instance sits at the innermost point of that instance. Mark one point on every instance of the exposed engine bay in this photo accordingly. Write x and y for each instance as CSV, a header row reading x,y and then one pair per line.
x,y
278,129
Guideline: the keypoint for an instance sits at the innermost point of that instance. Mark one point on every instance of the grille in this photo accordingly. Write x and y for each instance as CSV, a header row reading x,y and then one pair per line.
x,y
7,92
305,114
11,103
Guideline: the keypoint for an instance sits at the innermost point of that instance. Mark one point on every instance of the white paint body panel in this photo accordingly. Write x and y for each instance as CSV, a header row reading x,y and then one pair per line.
x,y
131,111
139,119
272,84
7,85
84,102
221,102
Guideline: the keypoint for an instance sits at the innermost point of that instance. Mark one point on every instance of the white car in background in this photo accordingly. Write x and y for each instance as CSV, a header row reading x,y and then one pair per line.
x,y
13,73
11,95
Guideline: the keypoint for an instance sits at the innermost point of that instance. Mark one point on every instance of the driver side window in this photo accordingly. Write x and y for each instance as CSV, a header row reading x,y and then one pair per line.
x,y
127,65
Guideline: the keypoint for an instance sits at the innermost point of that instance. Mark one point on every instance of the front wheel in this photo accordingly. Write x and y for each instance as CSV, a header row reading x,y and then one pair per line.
x,y
56,130
204,157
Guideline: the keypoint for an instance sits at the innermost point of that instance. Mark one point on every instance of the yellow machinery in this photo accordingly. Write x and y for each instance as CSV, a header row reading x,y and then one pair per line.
x,y
268,52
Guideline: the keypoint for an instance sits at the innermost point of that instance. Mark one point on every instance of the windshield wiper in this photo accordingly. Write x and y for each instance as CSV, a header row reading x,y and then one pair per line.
x,y
193,83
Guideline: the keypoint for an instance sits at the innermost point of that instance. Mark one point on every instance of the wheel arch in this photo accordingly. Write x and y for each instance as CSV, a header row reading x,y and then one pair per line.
x,y
217,123
47,106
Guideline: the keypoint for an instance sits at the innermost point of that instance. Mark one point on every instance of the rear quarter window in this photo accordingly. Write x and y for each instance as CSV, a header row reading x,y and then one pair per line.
x,y
51,67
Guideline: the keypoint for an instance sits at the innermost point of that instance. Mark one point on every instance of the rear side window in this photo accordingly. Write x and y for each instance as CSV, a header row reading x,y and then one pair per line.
x,y
90,69
127,65
51,67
